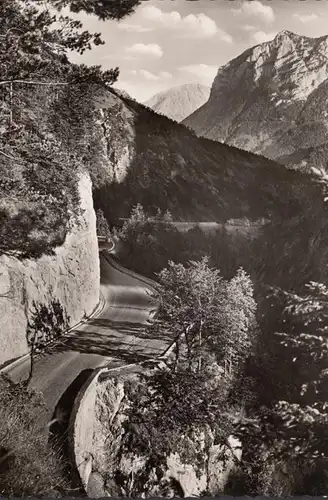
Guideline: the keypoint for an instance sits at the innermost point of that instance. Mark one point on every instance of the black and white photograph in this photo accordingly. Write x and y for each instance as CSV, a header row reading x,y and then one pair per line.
x,y
163,248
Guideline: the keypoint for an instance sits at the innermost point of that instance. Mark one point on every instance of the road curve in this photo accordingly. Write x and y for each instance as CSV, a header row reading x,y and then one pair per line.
x,y
114,337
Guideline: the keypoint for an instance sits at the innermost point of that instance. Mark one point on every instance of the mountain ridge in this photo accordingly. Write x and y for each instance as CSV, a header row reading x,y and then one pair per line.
x,y
270,99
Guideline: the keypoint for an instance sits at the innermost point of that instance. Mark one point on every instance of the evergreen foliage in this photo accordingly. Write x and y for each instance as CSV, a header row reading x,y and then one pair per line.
x,y
47,119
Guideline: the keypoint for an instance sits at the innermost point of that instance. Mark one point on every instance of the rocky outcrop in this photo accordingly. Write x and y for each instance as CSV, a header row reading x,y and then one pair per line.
x,y
116,124
198,465
71,277
271,100
179,102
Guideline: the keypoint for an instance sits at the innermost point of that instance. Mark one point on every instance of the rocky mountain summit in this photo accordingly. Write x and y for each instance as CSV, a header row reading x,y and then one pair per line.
x,y
272,100
179,102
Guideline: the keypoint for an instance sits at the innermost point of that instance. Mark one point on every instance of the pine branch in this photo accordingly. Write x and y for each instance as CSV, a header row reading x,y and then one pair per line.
x,y
12,29
6,82
7,156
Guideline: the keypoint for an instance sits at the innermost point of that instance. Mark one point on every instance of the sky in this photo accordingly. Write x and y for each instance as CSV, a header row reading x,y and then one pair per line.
x,y
166,43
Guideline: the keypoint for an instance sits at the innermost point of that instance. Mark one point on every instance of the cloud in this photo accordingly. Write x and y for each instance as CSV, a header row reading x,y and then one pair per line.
x,y
305,18
148,75
163,75
166,75
191,26
248,27
199,24
254,8
224,37
137,28
151,49
261,36
205,72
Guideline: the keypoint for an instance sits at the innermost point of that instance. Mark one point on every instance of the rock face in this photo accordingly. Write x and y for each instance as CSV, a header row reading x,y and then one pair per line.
x,y
199,465
179,102
116,124
271,100
71,276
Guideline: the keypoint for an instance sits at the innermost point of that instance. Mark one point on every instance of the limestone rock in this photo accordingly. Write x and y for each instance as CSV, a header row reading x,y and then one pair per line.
x,y
271,100
71,276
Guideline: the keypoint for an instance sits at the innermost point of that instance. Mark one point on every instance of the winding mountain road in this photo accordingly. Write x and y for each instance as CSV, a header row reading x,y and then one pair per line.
x,y
114,336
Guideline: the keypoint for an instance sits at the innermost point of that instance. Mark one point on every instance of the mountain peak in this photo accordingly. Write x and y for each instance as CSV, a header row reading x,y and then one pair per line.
x,y
286,34
257,98
179,102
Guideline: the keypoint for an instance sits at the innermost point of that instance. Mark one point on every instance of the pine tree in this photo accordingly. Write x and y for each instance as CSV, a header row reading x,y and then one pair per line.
x,y
103,9
102,224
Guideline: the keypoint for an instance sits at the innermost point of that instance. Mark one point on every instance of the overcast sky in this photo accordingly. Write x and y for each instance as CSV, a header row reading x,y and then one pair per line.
x,y
171,42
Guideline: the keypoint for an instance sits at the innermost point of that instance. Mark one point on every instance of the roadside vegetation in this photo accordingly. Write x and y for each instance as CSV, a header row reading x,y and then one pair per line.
x,y
28,465
281,386
146,243
284,432
170,409
102,225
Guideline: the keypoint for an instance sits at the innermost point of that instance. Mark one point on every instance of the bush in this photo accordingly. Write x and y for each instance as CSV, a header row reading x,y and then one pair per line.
x,y
28,466
47,322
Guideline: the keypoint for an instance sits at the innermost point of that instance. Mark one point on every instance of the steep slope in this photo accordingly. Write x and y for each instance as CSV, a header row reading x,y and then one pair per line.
x,y
161,164
271,100
122,93
179,102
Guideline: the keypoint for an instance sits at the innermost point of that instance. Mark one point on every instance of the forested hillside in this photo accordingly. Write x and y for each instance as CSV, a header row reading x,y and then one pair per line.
x,y
168,167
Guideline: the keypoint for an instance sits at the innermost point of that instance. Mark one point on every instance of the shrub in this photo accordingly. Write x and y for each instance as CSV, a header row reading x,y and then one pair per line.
x,y
28,466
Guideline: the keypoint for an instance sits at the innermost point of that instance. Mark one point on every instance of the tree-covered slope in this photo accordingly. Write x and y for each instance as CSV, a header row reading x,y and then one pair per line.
x,y
166,166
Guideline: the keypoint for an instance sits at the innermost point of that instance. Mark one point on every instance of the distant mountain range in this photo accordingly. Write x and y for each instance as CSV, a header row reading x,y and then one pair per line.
x,y
179,102
272,100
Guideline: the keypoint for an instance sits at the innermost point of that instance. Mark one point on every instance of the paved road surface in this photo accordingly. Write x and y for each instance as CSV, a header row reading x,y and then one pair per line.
x,y
116,336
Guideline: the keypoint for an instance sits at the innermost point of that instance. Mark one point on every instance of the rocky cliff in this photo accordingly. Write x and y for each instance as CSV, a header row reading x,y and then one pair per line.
x,y
70,276
197,465
271,100
179,102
